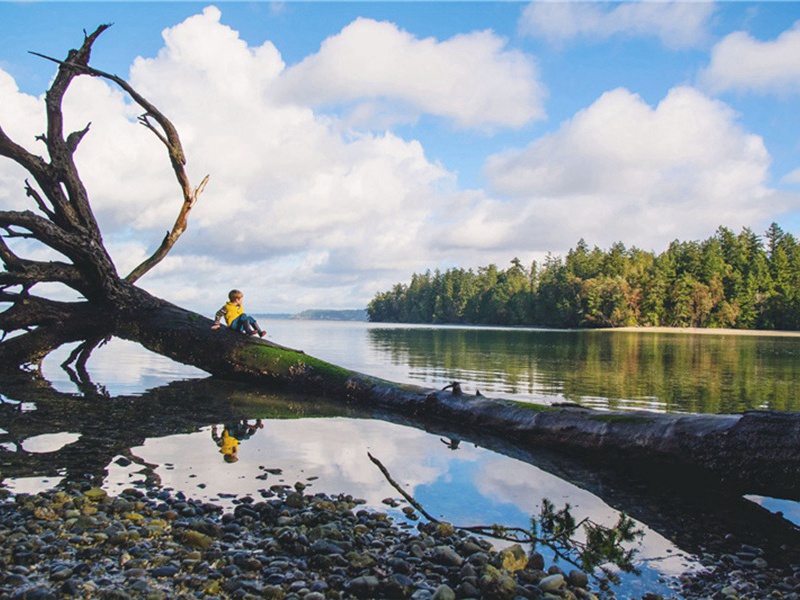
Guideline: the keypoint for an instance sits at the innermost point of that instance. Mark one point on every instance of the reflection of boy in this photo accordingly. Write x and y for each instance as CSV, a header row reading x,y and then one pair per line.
x,y
235,317
243,430
228,445
232,434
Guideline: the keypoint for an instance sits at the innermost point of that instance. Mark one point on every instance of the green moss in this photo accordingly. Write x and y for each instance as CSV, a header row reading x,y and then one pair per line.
x,y
618,418
533,407
290,364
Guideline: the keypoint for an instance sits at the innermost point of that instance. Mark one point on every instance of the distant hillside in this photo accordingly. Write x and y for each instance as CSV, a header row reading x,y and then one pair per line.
x,y
332,315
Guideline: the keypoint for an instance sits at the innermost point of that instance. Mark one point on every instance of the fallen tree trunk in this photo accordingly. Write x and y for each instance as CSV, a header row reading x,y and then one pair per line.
x,y
757,452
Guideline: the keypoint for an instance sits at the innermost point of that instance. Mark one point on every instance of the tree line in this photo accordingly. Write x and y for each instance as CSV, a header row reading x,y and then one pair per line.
x,y
742,281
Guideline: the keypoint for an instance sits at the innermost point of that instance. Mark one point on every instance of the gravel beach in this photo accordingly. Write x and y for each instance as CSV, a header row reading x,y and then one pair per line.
x,y
80,542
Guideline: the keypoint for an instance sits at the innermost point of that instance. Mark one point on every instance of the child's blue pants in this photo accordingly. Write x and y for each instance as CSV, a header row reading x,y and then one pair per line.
x,y
244,323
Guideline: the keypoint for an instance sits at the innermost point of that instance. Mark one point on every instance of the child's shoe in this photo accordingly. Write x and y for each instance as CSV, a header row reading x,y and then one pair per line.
x,y
262,333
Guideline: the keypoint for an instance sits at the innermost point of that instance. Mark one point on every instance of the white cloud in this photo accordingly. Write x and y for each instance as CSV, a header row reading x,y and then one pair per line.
x,y
623,170
302,212
299,211
792,178
28,122
472,78
676,24
742,63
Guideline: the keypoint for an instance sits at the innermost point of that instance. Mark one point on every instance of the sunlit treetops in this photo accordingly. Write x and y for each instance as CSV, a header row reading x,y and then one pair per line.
x,y
742,281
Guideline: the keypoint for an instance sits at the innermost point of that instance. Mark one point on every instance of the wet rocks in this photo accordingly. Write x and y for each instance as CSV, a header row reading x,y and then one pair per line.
x,y
741,572
81,542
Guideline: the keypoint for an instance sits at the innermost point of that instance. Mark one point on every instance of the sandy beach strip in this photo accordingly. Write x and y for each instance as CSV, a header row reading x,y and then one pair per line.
x,y
705,331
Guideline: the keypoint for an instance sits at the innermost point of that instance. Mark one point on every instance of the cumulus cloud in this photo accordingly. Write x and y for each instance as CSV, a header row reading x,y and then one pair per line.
x,y
792,178
676,24
623,170
741,63
472,78
304,212
299,210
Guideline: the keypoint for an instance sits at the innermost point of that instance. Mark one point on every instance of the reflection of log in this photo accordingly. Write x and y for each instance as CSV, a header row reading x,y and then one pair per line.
x,y
758,452
687,511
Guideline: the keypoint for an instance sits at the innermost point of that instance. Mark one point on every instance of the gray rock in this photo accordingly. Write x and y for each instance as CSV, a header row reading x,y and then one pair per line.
x,y
552,583
578,578
444,592
364,587
445,555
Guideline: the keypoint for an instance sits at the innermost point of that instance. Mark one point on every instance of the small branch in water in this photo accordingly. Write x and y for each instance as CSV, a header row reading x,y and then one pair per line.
x,y
405,494
603,545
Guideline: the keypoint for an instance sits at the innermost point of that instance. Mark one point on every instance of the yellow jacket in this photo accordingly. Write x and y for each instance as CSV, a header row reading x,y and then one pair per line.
x,y
230,311
228,444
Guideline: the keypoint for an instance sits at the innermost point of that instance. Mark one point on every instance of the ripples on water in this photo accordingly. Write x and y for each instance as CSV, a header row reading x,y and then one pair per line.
x,y
129,435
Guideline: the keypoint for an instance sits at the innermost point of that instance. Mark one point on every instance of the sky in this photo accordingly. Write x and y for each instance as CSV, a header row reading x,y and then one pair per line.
x,y
352,144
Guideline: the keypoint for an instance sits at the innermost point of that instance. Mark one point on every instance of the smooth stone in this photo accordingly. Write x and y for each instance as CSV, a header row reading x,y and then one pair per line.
x,y
536,561
444,592
165,571
445,555
497,584
552,583
365,586
578,578
513,558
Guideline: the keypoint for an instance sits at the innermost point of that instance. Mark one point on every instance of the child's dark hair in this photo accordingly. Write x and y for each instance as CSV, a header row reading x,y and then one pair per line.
x,y
234,294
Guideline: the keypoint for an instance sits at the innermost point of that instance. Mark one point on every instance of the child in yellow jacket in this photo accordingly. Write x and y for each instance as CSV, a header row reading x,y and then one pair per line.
x,y
235,317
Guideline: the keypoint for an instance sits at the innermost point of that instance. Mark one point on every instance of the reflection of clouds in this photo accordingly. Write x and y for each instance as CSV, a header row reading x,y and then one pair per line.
x,y
121,367
788,509
30,485
333,450
49,442
507,480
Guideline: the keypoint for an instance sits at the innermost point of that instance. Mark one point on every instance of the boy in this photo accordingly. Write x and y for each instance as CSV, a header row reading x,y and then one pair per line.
x,y
235,317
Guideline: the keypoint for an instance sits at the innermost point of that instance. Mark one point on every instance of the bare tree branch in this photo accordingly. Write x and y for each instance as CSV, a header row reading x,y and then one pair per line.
x,y
32,193
29,273
74,138
172,236
43,173
169,137
45,231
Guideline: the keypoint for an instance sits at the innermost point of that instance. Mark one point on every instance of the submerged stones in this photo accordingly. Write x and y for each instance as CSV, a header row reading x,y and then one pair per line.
x,y
293,546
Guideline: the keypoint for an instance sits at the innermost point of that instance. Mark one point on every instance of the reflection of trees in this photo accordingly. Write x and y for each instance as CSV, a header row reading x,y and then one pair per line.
x,y
683,509
679,373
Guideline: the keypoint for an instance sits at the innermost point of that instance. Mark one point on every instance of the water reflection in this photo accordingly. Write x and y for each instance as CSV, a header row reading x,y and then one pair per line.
x,y
655,371
166,436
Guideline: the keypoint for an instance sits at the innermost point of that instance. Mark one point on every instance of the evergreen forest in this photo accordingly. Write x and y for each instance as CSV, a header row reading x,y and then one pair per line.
x,y
741,281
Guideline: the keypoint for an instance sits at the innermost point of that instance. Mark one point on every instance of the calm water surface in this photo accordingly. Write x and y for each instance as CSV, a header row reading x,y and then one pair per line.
x,y
147,419
672,372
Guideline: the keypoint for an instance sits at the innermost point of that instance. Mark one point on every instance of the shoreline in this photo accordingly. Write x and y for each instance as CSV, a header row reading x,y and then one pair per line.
x,y
702,331
630,329
154,544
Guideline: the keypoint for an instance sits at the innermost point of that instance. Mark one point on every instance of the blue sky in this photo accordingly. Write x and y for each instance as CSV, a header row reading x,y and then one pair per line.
x,y
351,144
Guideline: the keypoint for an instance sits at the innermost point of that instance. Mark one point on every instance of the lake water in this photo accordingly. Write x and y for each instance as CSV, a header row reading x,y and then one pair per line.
x,y
671,372
148,419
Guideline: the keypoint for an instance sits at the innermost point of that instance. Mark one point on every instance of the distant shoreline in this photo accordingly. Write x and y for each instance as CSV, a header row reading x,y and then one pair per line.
x,y
704,331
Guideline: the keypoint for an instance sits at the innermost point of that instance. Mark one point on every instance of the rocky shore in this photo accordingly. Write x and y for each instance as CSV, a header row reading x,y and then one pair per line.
x,y
80,542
